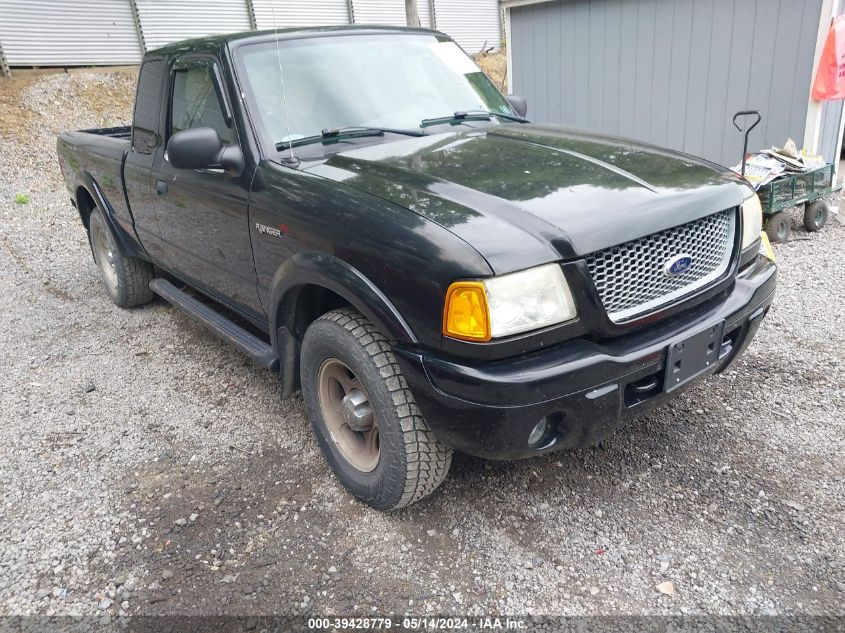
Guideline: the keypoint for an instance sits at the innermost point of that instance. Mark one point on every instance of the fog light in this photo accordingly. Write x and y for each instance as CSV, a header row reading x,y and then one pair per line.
x,y
538,433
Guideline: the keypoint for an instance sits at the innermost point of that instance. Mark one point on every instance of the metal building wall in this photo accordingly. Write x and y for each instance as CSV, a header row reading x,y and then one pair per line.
x,y
831,123
294,13
830,128
73,32
426,11
670,72
82,32
166,21
473,25
469,23
389,12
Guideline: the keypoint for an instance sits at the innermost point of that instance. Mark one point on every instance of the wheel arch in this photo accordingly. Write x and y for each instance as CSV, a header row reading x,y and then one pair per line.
x,y
87,195
85,204
307,286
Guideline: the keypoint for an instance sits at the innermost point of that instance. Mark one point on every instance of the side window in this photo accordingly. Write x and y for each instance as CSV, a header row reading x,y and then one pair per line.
x,y
147,107
195,103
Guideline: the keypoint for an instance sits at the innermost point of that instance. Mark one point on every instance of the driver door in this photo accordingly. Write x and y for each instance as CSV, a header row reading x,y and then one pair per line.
x,y
203,213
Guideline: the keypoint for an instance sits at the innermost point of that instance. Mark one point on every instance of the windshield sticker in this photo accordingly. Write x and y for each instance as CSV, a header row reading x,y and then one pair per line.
x,y
454,57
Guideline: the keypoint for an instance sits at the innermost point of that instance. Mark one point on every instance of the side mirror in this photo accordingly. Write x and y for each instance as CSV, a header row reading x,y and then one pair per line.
x,y
202,148
519,104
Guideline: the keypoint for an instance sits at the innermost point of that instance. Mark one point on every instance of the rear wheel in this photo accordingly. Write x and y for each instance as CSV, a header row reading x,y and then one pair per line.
x,y
815,215
127,279
364,416
777,227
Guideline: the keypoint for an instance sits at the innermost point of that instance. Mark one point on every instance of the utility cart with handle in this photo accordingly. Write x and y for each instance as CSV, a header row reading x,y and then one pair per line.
x,y
808,188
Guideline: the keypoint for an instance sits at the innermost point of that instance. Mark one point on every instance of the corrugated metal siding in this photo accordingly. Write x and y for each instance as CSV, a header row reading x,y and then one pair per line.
x,y
166,21
390,12
292,13
470,24
425,8
80,32
328,12
670,72
69,33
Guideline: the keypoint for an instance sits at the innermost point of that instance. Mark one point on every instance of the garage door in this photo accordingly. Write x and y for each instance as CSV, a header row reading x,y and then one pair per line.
x,y
71,33
166,21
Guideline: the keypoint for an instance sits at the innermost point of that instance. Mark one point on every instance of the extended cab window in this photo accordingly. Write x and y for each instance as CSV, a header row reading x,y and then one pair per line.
x,y
195,102
147,106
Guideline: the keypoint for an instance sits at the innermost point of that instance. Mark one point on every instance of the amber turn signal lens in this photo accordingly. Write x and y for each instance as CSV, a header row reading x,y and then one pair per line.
x,y
466,315
766,246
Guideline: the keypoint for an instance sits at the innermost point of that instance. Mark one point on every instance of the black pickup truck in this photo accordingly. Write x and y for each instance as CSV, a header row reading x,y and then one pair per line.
x,y
363,212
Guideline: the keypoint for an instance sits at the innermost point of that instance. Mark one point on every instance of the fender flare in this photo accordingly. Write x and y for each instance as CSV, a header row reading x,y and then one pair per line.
x,y
125,243
325,271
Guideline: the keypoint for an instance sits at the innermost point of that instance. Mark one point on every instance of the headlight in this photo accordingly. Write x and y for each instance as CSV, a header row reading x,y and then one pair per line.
x,y
510,304
752,220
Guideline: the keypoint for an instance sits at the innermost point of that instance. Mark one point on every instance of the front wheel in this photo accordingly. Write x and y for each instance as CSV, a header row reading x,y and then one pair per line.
x,y
364,416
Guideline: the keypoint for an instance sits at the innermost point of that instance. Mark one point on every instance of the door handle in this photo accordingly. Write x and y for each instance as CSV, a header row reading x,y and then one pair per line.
x,y
161,187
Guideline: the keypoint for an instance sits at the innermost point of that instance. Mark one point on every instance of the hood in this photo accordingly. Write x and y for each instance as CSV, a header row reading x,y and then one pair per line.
x,y
528,194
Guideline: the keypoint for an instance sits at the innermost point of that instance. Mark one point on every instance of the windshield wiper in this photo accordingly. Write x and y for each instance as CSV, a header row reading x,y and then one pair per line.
x,y
331,135
472,115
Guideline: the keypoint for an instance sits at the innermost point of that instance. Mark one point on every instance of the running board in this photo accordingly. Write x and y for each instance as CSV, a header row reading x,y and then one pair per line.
x,y
252,346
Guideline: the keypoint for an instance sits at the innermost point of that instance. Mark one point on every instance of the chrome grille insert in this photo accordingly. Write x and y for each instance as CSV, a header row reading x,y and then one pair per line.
x,y
631,278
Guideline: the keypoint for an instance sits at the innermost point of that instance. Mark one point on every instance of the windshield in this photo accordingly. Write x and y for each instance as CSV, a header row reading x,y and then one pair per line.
x,y
389,81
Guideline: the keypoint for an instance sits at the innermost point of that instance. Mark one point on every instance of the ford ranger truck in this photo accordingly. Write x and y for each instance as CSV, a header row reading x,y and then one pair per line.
x,y
360,210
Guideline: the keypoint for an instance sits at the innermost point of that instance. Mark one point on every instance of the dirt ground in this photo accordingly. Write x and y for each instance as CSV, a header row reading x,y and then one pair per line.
x,y
147,468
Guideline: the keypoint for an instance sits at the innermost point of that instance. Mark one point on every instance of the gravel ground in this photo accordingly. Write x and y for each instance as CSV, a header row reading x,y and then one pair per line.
x,y
147,468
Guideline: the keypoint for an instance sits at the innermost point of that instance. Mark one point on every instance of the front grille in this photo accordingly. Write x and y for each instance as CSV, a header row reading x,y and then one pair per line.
x,y
630,277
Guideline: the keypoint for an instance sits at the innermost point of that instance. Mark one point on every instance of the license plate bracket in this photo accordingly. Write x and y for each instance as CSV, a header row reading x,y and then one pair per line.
x,y
692,356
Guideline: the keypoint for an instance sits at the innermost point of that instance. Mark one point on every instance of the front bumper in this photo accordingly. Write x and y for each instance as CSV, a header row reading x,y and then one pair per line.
x,y
584,389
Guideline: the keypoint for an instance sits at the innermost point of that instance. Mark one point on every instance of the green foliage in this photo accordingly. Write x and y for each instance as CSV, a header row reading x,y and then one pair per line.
x,y
22,198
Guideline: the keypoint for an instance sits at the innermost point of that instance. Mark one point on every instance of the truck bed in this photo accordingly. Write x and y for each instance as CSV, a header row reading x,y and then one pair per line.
x,y
123,132
98,155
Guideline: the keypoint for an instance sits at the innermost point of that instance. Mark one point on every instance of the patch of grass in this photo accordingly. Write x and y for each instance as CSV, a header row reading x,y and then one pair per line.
x,y
22,198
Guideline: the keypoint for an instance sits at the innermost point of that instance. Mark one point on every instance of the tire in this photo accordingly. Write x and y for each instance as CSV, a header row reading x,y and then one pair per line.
x,y
398,461
127,279
815,215
777,227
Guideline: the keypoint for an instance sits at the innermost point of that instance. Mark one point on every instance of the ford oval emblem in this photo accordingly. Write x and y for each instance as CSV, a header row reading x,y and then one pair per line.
x,y
678,265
